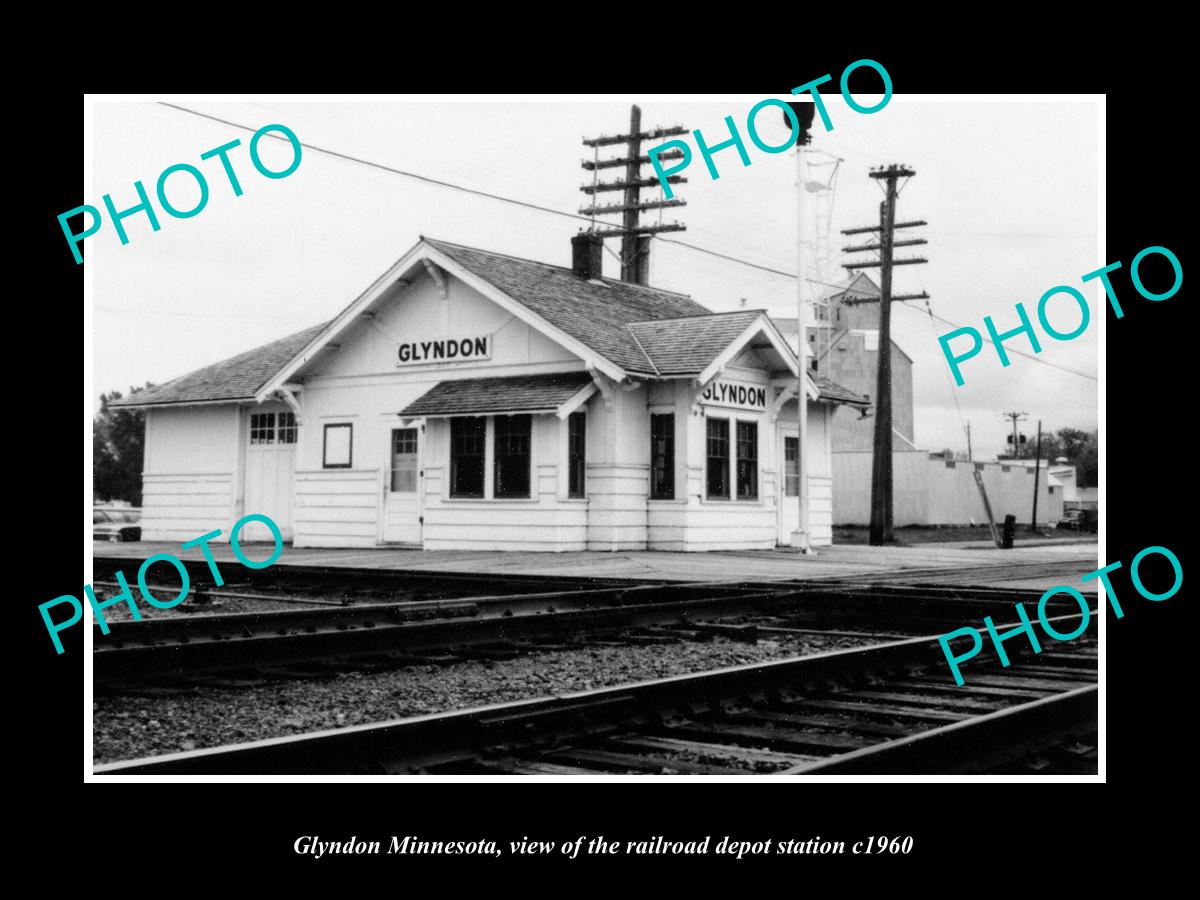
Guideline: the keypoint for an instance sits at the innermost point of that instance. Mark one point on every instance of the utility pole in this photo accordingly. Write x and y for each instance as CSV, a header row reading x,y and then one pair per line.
x,y
1016,437
635,237
881,462
1037,468
969,456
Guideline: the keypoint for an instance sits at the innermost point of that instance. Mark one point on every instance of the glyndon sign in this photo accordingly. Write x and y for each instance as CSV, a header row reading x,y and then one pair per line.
x,y
726,393
443,350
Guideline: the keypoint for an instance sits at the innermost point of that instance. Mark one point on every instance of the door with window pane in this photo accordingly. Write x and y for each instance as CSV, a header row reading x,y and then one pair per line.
x,y
270,466
402,513
788,486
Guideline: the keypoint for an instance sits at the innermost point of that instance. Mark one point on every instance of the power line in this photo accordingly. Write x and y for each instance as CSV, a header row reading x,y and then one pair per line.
x,y
125,310
558,212
1044,362
386,168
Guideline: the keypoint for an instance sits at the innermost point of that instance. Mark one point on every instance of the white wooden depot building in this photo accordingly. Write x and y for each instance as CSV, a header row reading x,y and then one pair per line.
x,y
469,399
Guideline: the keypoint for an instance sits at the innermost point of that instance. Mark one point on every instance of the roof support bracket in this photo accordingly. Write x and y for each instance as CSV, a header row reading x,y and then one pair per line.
x,y
778,403
287,393
604,385
438,276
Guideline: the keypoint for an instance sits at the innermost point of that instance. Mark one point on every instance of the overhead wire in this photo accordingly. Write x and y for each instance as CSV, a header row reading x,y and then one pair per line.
x,y
563,213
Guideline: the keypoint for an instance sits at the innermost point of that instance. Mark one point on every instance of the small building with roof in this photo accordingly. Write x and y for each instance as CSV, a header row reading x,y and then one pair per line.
x,y
470,399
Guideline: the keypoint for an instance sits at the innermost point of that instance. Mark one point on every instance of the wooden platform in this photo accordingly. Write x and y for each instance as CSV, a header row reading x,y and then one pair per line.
x,y
965,564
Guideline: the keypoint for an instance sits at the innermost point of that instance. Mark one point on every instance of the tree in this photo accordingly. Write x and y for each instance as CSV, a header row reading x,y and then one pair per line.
x,y
1079,447
117,449
1088,461
1073,441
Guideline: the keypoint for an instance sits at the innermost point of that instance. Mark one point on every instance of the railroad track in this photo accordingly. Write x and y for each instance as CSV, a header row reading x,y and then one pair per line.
x,y
889,708
186,649
350,585
1068,570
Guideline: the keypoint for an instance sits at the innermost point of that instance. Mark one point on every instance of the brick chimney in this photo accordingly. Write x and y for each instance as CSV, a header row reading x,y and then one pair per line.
x,y
587,255
641,267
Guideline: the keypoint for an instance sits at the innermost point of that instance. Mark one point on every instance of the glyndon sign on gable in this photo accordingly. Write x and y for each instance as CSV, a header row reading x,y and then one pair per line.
x,y
444,350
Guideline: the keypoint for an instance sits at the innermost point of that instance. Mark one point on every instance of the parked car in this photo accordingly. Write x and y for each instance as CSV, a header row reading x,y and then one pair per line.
x,y
1079,520
116,523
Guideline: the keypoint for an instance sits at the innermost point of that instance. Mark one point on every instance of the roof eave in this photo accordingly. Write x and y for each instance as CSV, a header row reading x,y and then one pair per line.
x,y
161,404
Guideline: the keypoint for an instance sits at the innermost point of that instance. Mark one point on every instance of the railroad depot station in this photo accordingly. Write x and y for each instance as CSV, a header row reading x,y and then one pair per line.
x,y
473,400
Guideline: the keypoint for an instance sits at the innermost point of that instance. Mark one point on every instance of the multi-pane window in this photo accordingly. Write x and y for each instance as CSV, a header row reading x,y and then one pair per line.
x,y
262,428
468,438
791,467
576,454
662,456
512,455
404,460
337,449
732,460
747,460
718,458
287,428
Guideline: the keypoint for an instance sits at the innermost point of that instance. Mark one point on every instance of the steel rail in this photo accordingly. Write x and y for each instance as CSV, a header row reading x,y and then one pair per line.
x,y
450,741
172,645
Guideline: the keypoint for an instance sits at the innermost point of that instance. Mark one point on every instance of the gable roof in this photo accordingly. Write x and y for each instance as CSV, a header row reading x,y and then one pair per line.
x,y
633,329
835,393
595,313
236,378
686,346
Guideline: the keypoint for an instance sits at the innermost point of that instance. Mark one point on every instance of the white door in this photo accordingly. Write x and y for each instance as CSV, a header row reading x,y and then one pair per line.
x,y
402,494
789,484
270,464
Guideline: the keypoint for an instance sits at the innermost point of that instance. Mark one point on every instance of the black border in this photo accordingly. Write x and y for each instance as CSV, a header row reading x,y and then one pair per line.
x,y
325,446
1016,835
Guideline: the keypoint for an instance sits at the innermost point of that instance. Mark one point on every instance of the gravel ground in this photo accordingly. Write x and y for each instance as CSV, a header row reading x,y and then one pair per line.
x,y
131,727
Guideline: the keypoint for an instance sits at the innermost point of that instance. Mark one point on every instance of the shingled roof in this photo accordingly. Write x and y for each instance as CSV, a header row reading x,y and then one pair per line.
x,y
686,346
641,330
831,390
236,378
517,393
595,313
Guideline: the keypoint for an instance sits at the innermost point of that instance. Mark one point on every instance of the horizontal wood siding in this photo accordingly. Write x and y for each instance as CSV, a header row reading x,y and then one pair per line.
x,y
541,523
337,507
820,510
617,506
180,507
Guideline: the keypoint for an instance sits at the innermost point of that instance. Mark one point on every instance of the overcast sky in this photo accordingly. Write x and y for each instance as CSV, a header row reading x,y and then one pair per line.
x,y
1009,191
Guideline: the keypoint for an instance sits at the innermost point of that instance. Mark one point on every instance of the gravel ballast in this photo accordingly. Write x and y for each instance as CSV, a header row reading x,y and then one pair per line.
x,y
129,727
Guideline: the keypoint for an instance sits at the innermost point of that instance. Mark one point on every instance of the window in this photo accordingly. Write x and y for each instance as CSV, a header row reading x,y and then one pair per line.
x,y
512,443
718,459
747,460
287,428
337,447
467,439
662,456
262,428
576,454
404,460
791,467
